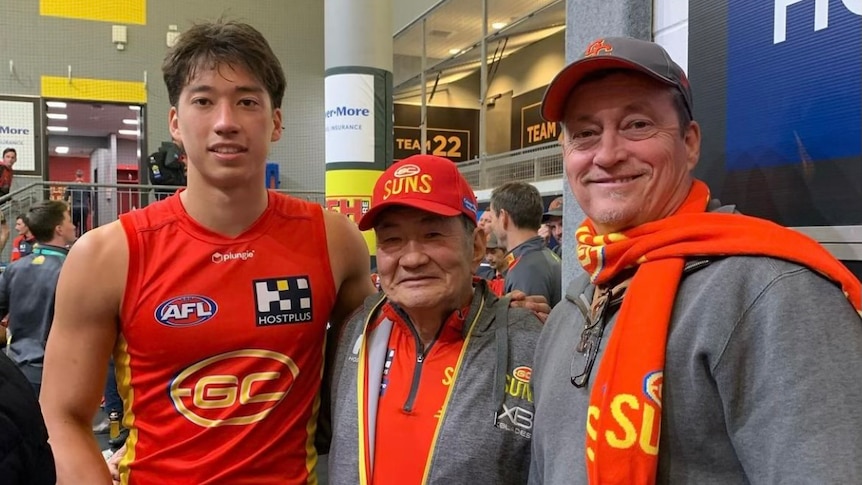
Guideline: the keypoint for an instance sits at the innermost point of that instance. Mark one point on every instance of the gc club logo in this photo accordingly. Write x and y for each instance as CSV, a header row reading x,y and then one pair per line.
x,y
407,170
652,386
234,388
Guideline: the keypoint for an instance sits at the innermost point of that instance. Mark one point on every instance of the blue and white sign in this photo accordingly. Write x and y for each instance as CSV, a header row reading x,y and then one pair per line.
x,y
349,118
17,130
794,82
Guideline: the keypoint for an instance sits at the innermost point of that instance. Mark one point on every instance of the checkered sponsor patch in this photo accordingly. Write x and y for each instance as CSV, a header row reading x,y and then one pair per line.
x,y
282,301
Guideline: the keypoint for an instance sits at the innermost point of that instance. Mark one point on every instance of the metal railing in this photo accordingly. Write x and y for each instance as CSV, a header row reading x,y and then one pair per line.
x,y
105,202
93,205
540,162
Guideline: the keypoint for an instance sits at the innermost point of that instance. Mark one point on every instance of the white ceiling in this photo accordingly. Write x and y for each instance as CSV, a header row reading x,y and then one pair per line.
x,y
457,25
89,124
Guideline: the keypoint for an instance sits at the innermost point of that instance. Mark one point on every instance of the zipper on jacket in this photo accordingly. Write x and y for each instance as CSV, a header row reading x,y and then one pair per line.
x,y
421,354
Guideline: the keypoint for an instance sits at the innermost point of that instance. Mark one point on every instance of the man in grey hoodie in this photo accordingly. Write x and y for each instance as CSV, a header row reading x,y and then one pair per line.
x,y
755,327
431,383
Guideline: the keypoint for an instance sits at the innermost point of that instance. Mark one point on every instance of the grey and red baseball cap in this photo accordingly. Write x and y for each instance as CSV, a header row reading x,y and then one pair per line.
x,y
555,209
614,53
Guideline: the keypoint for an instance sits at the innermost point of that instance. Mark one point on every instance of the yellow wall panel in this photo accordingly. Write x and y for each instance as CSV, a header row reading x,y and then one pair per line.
x,y
117,11
131,92
349,192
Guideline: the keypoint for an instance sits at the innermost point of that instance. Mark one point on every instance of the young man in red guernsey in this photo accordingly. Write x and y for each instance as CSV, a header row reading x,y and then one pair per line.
x,y
214,302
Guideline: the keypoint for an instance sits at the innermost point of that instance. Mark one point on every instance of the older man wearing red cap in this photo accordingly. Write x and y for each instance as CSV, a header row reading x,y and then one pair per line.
x,y
701,346
424,365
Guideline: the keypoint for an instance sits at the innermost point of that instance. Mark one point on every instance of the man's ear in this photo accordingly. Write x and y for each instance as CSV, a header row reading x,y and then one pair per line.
x,y
277,127
479,242
503,217
692,145
174,125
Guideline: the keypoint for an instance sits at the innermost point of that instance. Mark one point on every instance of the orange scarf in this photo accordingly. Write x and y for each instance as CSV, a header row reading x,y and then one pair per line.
x,y
629,378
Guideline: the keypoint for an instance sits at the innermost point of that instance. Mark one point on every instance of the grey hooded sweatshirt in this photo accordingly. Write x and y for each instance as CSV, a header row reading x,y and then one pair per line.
x,y
483,435
762,380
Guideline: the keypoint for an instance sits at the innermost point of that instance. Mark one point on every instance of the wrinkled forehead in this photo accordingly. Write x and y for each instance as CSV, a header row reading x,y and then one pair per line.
x,y
399,215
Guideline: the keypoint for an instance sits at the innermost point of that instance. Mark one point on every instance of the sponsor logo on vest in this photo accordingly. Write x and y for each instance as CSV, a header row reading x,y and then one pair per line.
x,y
282,301
226,257
185,311
517,420
222,391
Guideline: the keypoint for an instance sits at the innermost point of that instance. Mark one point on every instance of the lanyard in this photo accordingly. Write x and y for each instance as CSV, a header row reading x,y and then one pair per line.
x,y
50,252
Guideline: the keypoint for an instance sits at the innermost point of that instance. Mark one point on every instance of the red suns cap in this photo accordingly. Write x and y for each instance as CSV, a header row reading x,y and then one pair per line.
x,y
424,182
614,53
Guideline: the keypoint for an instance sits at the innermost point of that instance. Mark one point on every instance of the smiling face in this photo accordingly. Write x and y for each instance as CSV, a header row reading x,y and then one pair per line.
x,y
626,161
225,122
425,261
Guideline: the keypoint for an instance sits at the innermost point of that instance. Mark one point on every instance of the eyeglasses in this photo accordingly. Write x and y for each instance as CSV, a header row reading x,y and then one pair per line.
x,y
591,339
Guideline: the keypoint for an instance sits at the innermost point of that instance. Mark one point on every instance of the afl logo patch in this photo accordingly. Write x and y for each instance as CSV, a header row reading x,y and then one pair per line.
x,y
407,171
186,311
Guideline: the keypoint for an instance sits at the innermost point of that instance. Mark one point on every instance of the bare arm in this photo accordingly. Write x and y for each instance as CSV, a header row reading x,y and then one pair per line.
x,y
348,256
4,233
351,266
78,349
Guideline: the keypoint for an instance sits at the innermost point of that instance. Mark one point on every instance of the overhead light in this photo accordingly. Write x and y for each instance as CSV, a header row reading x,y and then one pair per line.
x,y
454,51
498,25
58,128
62,150
134,108
130,122
56,104
57,116
129,132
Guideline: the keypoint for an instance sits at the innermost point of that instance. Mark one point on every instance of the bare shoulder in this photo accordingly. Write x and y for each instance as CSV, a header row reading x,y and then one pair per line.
x,y
103,251
347,249
350,261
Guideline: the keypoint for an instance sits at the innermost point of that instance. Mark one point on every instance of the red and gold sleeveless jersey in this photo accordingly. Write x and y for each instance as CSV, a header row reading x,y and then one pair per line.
x,y
220,354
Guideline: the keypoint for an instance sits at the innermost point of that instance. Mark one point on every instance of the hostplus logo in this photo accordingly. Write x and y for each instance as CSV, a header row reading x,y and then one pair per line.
x,y
281,301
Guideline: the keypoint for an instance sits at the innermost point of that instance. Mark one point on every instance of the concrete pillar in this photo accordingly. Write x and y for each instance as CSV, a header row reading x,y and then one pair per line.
x,y
358,100
587,20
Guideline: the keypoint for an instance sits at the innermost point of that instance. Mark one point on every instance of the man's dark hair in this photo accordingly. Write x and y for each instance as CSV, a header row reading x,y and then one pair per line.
x,y
222,43
521,201
678,99
8,150
23,218
44,216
